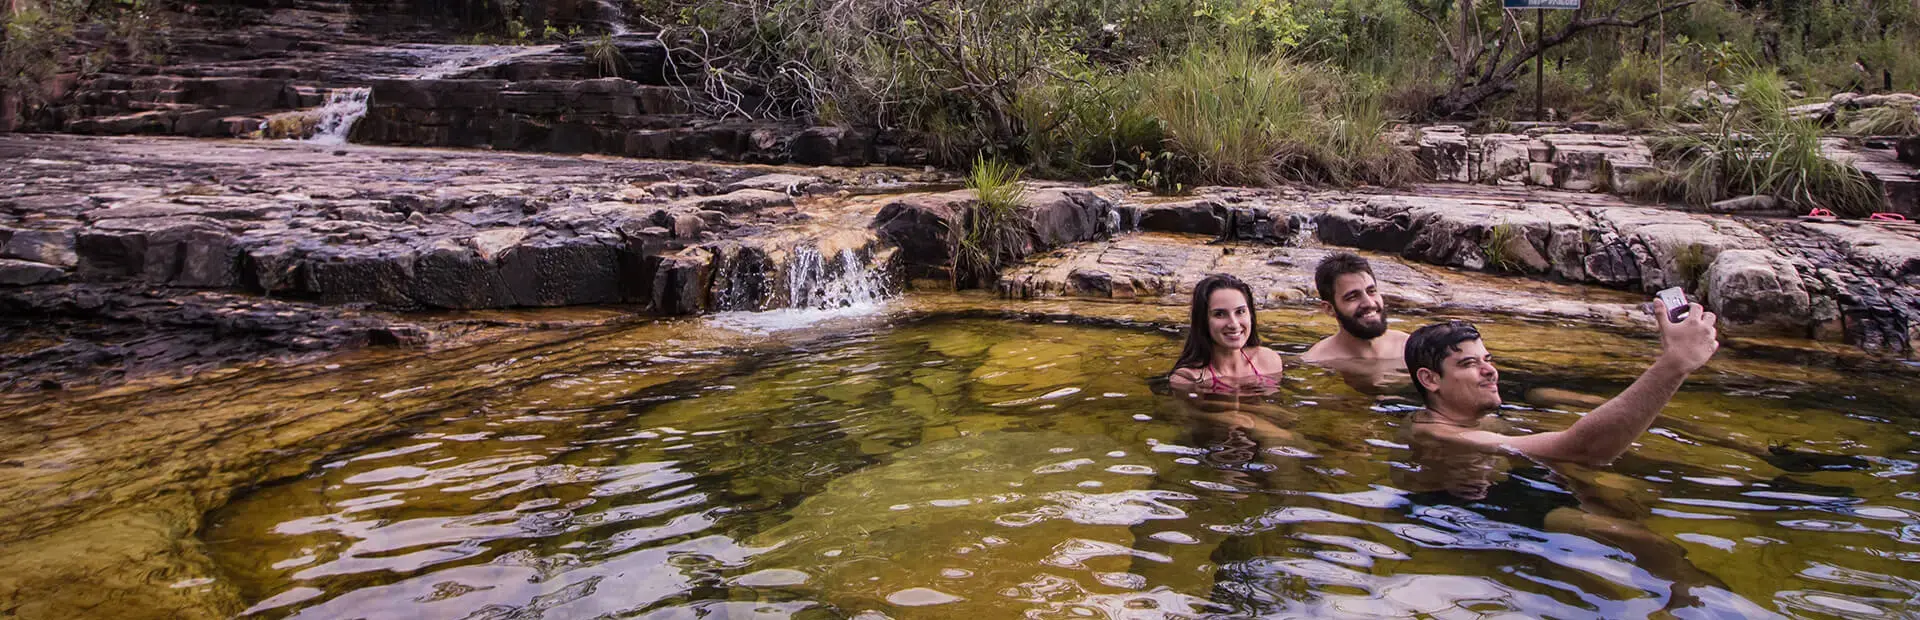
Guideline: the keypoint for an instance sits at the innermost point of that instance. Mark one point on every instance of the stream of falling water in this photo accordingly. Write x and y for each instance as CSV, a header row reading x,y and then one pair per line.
x,y
818,289
344,107
615,17
347,106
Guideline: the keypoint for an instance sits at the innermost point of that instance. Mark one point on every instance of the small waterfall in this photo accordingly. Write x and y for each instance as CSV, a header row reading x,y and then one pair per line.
x,y
812,283
615,17
818,288
344,107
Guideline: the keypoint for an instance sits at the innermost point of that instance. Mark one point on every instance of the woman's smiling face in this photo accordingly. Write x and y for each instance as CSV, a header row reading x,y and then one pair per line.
x,y
1229,319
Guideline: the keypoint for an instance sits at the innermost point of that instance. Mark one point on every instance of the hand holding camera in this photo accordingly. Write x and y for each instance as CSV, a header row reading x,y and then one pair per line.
x,y
1688,337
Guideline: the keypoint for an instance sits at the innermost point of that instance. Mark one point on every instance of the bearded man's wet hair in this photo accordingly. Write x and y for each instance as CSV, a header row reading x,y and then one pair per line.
x,y
1430,345
1336,265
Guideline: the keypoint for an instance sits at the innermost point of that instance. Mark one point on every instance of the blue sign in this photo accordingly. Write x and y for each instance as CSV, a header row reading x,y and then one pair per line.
x,y
1540,4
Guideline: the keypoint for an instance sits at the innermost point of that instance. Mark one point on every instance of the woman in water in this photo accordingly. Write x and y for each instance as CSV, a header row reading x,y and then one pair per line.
x,y
1223,352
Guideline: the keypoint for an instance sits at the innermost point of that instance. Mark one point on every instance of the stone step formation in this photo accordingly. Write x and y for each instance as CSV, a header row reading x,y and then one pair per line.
x,y
90,225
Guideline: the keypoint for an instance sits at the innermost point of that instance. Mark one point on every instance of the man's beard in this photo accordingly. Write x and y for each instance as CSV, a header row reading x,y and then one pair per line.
x,y
1362,329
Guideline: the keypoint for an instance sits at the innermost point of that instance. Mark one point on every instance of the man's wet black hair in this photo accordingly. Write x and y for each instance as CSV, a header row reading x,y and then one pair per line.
x,y
1430,345
1198,352
1332,267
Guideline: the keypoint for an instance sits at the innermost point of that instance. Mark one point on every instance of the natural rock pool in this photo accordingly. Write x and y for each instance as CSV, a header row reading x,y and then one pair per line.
x,y
1001,463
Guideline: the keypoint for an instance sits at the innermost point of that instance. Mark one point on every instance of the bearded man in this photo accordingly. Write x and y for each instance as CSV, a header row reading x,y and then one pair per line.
x,y
1350,295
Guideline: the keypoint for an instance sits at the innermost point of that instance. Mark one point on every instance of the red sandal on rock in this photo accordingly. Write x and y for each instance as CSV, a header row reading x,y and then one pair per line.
x,y
1888,217
1819,213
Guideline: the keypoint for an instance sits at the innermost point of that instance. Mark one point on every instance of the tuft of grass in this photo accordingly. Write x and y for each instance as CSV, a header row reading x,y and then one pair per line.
x,y
1756,148
1691,262
1885,121
993,232
1236,116
1495,247
604,57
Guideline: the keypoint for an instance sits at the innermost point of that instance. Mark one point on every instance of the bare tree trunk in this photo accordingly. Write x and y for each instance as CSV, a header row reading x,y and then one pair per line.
x,y
1466,29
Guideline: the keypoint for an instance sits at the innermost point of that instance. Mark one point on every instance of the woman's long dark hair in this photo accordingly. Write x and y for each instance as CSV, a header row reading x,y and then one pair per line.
x,y
1199,349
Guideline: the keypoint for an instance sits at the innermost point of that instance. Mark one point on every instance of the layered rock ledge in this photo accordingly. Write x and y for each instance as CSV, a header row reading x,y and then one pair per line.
x,y
393,229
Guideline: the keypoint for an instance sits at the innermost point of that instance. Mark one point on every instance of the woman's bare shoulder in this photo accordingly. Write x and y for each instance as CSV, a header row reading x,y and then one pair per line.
x,y
1268,358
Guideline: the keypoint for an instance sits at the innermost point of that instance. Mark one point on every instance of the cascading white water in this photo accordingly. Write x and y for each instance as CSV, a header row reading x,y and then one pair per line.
x,y
812,285
615,16
818,289
344,107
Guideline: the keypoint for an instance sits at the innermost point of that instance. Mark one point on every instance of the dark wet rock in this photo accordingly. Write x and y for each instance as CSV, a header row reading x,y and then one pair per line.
x,y
1908,150
1164,267
680,283
1063,216
382,274
833,146
920,226
562,271
112,333
1203,216
52,247
455,277
1347,225
15,272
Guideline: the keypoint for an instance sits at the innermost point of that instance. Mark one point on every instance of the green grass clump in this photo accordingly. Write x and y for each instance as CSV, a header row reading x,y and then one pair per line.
x,y
603,56
1885,121
1243,117
1495,248
993,232
1756,148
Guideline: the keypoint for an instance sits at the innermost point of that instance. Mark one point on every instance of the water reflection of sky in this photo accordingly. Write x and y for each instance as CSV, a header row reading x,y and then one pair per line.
x,y
1000,468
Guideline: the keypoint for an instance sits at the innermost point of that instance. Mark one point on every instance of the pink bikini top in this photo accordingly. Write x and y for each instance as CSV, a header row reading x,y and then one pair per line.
x,y
1243,354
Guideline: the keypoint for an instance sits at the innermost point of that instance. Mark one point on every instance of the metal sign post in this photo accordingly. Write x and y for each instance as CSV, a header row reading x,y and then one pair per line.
x,y
1539,37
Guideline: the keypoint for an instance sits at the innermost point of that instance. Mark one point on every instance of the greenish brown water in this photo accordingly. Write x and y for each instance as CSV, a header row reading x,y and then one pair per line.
x,y
990,468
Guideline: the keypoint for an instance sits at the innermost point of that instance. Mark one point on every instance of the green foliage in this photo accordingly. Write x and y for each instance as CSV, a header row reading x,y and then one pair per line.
x,y
1756,148
1237,116
993,232
37,40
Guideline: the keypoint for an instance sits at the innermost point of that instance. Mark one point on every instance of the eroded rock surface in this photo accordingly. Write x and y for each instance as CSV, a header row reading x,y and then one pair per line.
x,y
396,229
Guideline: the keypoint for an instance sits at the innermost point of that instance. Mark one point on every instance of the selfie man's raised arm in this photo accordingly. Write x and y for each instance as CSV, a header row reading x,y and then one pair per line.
x,y
1606,432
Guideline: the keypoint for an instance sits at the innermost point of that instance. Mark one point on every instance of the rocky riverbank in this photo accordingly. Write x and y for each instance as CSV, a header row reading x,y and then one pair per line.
x,y
277,248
